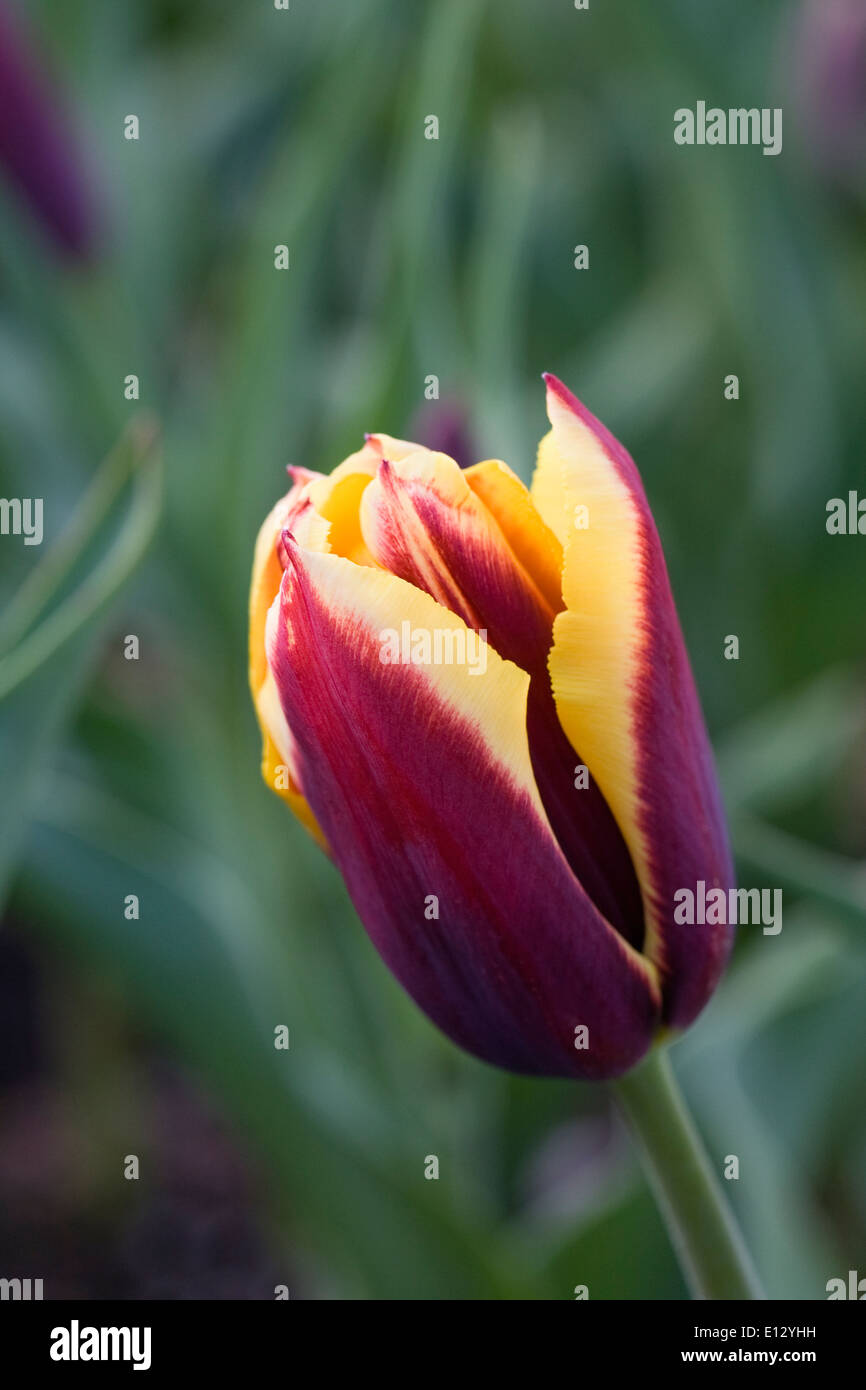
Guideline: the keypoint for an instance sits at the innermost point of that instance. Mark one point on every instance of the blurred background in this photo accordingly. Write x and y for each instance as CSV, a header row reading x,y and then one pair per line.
x,y
154,1036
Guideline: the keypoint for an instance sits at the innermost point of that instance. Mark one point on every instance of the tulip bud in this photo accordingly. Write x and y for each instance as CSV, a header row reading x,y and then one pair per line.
x,y
443,426
36,153
828,82
512,830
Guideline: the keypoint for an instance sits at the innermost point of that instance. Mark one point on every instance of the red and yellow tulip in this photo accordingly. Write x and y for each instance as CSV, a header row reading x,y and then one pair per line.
x,y
527,907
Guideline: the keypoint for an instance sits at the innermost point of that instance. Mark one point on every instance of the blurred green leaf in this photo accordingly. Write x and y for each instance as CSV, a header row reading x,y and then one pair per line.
x,y
793,745
787,862
198,968
43,670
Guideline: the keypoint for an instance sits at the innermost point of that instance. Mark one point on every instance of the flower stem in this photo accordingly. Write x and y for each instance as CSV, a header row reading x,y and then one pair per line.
x,y
704,1234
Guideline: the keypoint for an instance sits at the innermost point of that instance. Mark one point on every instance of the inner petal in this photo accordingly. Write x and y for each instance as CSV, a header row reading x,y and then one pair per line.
x,y
337,498
423,521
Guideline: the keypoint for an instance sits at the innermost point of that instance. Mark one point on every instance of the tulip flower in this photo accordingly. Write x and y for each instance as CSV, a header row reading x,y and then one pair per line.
x,y
476,697
512,831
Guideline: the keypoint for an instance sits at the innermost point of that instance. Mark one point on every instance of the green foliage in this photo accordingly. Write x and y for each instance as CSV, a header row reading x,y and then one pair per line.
x,y
452,257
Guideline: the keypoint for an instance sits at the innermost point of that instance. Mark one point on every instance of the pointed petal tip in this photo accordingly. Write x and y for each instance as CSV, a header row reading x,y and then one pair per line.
x,y
299,475
288,550
557,388
560,398
384,478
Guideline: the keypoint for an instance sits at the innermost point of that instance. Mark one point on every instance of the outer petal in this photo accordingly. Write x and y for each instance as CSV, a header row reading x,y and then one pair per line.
x,y
420,778
424,522
321,511
267,570
278,747
625,693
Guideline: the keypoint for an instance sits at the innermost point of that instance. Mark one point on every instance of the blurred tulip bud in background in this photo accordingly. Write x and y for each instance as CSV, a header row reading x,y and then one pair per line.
x,y
829,84
38,155
512,819
443,427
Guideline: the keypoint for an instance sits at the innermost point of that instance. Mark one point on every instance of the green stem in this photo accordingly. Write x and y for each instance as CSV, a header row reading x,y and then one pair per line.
x,y
704,1234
